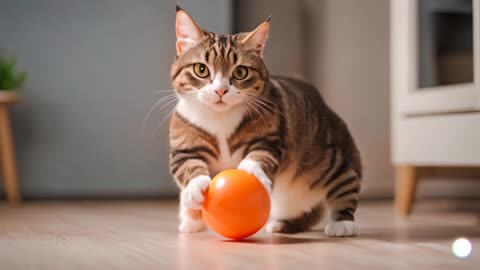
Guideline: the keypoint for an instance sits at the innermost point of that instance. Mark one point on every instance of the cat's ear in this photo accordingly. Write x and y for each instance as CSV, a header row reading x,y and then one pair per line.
x,y
188,31
257,39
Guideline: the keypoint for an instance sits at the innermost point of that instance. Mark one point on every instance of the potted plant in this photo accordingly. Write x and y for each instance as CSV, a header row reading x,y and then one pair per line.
x,y
12,79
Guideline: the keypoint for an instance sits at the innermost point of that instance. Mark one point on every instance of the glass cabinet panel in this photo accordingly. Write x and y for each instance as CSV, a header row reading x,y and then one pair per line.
x,y
445,43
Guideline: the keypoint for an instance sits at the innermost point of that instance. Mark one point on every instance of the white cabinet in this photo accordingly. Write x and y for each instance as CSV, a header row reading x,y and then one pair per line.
x,y
438,43
435,84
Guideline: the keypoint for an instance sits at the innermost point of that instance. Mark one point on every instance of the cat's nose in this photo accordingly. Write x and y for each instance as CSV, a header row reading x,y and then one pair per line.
x,y
221,92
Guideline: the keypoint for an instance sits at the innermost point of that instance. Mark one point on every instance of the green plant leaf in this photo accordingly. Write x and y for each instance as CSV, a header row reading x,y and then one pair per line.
x,y
10,77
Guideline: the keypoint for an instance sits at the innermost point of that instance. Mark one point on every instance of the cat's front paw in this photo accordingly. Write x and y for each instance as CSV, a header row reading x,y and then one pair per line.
x,y
343,228
253,167
192,226
275,226
192,196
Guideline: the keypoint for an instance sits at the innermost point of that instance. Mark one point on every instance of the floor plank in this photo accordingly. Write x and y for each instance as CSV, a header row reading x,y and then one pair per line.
x,y
143,235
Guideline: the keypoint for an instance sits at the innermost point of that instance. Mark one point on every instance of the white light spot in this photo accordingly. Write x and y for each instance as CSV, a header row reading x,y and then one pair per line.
x,y
220,183
461,247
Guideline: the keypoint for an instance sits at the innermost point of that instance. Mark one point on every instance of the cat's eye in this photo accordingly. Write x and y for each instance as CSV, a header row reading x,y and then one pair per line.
x,y
201,70
240,72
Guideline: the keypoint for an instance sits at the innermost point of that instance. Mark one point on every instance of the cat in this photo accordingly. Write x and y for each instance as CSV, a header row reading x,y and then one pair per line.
x,y
232,114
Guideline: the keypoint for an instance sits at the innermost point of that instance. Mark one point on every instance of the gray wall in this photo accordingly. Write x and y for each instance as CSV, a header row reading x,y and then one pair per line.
x,y
93,66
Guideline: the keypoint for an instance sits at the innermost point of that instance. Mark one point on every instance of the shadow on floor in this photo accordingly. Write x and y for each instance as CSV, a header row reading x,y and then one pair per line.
x,y
399,235
427,233
277,239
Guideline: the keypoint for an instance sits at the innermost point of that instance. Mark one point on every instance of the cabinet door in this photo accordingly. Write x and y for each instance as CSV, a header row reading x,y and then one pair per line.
x,y
441,51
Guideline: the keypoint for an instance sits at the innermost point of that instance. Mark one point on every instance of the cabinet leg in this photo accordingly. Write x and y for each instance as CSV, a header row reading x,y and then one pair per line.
x,y
7,151
406,185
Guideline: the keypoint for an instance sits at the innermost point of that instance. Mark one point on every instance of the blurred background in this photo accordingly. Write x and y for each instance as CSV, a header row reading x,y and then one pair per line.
x,y
93,66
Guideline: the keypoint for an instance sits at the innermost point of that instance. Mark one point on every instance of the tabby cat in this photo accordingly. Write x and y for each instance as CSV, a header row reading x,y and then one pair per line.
x,y
232,114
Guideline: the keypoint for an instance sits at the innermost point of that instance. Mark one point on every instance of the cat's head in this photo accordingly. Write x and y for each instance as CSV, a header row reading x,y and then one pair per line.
x,y
218,71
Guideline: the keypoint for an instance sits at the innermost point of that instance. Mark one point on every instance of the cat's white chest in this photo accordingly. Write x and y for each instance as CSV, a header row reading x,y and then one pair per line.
x,y
226,159
219,124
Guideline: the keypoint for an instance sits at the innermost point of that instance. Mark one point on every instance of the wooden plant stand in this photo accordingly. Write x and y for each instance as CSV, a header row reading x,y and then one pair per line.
x,y
7,148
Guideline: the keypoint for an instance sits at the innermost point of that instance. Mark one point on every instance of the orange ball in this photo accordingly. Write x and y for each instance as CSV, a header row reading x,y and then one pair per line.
x,y
236,204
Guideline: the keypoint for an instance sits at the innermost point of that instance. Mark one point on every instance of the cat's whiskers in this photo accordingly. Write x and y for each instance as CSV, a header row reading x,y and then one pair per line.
x,y
187,96
164,106
256,109
265,99
165,118
262,121
265,108
247,109
251,105
257,96
253,111
268,115
167,99
163,91
266,103
260,106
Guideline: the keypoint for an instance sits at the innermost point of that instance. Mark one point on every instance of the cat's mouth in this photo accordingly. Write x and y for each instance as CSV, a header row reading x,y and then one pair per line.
x,y
221,105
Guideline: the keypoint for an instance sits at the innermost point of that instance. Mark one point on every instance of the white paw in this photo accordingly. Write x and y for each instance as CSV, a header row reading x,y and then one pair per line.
x,y
274,226
192,196
254,168
192,226
341,228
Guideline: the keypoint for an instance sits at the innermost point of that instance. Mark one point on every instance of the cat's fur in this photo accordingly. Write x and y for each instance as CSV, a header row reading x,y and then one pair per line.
x,y
276,128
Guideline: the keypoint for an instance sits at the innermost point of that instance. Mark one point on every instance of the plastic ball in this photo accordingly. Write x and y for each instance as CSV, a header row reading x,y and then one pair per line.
x,y
236,205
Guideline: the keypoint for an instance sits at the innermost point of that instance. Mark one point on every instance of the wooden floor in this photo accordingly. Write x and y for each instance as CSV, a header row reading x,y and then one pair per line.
x,y
143,235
